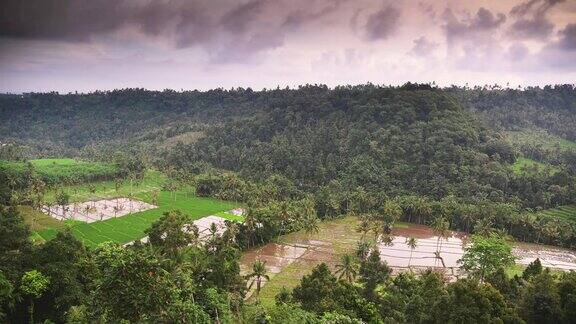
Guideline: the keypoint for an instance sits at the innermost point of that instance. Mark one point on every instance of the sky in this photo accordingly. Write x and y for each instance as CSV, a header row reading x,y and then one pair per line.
x,y
87,45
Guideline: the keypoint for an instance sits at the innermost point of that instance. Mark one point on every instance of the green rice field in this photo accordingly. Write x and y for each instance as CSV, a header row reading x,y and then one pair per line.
x,y
129,227
57,171
540,137
153,180
567,212
523,164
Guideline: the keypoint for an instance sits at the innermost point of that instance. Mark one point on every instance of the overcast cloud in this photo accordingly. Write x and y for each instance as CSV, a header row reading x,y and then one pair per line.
x,y
84,45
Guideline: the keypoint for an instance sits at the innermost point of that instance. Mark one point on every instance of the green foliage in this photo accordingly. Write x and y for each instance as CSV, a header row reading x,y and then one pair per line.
x,y
540,301
485,255
34,283
373,272
468,301
172,232
14,242
6,296
413,153
526,165
321,292
63,171
533,269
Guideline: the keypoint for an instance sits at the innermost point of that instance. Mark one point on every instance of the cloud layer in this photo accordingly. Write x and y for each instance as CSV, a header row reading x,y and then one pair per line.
x,y
207,43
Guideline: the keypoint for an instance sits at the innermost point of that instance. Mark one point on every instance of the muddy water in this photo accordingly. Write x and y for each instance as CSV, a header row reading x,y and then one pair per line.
x,y
398,254
550,257
276,256
339,236
452,249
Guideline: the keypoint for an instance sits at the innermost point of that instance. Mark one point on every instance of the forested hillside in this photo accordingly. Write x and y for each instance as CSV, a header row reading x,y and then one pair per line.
x,y
413,139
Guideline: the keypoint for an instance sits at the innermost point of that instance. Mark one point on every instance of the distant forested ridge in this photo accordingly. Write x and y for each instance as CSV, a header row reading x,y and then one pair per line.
x,y
550,108
388,141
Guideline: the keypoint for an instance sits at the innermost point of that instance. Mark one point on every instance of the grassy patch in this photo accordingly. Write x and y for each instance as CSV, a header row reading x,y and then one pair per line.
x,y
153,180
228,215
567,212
540,137
39,221
515,270
524,165
57,171
131,227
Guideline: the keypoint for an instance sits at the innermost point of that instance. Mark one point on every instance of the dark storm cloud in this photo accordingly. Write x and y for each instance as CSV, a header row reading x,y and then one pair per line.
x,y
568,38
561,54
229,30
466,28
531,21
62,19
423,47
381,24
302,16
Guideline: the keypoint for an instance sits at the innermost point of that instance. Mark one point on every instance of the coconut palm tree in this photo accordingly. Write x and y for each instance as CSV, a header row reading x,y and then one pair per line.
x,y
441,228
363,249
387,239
232,229
311,224
363,227
213,230
483,227
347,268
155,197
258,273
412,243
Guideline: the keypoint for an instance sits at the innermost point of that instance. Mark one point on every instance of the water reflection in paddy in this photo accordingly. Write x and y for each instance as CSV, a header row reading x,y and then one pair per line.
x,y
339,236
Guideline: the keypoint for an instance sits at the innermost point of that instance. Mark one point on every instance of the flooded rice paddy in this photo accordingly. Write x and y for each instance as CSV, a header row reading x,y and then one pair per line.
x,y
295,254
98,210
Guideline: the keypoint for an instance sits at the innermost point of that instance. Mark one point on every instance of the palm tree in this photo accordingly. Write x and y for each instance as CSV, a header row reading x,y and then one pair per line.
x,y
311,224
387,239
346,268
284,214
363,227
232,229
363,249
213,230
483,227
441,229
258,273
155,197
412,243
251,223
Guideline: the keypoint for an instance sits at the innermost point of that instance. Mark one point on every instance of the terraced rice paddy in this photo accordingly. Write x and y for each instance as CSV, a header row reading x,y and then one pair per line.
x,y
567,212
296,254
57,171
98,210
132,226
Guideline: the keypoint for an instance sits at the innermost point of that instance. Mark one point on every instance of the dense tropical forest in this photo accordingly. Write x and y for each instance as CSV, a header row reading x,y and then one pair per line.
x,y
496,163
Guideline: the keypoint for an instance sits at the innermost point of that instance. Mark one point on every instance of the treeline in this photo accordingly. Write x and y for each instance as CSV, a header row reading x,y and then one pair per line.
x,y
552,107
26,183
280,207
51,175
